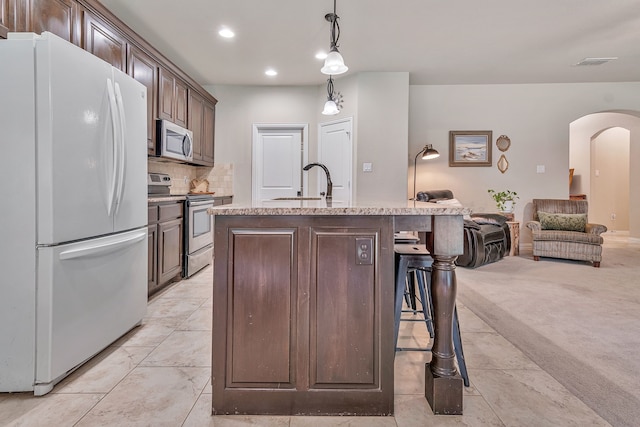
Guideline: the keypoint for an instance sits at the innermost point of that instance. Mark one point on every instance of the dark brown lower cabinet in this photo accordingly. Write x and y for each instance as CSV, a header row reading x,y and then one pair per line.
x,y
302,321
165,244
152,273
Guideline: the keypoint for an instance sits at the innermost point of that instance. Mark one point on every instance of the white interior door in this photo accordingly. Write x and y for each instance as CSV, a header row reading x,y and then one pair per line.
x,y
335,151
278,155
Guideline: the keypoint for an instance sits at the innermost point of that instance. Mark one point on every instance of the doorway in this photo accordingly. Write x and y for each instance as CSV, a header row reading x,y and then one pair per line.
x,y
335,151
279,151
588,139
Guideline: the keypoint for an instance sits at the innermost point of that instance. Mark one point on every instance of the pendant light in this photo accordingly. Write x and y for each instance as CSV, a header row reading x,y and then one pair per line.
x,y
334,63
330,107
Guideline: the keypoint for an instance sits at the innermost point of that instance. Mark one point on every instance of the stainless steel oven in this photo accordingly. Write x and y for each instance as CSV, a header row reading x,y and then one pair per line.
x,y
198,241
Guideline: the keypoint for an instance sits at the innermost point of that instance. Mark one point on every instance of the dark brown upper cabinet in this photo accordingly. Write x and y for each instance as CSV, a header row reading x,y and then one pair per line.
x,y
172,98
56,16
209,126
202,124
196,121
103,40
144,69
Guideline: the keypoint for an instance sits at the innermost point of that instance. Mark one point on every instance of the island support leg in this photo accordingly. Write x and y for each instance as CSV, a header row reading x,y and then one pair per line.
x,y
443,383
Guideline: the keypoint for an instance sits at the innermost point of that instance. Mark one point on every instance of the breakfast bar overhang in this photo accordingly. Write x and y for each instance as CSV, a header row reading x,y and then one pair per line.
x,y
303,307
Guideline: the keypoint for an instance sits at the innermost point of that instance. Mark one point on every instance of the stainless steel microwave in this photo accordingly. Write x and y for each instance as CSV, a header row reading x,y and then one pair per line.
x,y
174,142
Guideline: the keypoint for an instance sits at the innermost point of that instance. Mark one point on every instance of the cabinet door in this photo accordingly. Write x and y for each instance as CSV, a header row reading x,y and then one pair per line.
x,y
208,133
103,41
56,16
166,95
152,274
202,123
196,115
172,98
169,250
181,101
343,333
144,69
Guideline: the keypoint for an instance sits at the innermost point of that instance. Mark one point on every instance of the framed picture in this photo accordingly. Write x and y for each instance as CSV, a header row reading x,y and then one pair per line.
x,y
470,147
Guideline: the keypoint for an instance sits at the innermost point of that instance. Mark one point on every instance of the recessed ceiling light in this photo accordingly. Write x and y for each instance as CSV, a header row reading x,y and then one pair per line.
x,y
596,61
271,72
321,55
226,33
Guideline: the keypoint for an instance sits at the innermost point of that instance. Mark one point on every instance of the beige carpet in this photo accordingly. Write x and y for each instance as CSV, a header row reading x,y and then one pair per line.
x,y
579,323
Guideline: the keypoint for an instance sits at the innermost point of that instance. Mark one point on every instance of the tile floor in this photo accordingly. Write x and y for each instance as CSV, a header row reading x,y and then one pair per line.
x,y
158,375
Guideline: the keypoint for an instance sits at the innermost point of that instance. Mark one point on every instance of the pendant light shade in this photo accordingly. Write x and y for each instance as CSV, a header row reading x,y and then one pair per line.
x,y
330,108
429,152
334,63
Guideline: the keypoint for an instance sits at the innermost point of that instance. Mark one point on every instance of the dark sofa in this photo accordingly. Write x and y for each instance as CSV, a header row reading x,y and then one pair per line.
x,y
486,235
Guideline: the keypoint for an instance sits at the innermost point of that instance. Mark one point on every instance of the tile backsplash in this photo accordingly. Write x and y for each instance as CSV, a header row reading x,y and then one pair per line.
x,y
220,176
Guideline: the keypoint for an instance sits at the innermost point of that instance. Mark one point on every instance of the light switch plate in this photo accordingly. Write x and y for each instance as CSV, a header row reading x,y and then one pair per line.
x,y
540,169
367,167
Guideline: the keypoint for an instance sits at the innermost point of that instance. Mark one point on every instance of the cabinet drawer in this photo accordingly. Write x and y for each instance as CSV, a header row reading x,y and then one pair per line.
x,y
152,214
170,211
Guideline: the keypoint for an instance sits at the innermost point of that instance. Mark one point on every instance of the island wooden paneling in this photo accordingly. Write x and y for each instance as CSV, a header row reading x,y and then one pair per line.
x,y
301,324
262,320
342,311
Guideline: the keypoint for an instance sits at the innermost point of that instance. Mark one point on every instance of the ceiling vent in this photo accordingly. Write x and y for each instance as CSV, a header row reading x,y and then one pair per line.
x,y
595,61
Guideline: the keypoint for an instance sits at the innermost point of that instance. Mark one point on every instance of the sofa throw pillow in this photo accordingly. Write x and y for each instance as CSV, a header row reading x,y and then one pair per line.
x,y
564,222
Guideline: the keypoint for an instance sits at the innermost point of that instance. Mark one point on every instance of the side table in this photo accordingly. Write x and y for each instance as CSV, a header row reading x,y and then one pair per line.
x,y
514,230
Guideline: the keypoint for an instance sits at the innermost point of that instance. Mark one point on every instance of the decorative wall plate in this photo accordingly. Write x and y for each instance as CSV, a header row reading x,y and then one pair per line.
x,y
503,164
503,142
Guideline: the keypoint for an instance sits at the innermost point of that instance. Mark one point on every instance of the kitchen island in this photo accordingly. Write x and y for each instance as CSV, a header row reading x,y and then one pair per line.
x,y
303,307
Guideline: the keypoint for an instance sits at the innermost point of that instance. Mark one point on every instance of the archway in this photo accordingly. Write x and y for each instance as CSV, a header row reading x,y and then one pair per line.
x,y
586,129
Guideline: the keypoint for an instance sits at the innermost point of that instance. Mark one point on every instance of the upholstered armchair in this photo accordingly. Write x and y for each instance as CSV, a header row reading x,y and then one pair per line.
x,y
560,229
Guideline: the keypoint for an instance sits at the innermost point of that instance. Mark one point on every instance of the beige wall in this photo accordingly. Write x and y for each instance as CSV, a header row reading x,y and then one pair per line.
x,y
377,102
610,179
382,135
535,117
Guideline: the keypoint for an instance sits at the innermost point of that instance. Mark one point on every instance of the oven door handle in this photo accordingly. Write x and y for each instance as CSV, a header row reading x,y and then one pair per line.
x,y
202,203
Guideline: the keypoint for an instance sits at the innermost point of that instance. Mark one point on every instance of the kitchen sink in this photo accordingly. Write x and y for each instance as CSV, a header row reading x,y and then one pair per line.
x,y
298,198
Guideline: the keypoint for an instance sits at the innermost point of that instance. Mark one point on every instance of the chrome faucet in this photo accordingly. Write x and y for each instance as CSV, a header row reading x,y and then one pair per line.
x,y
326,171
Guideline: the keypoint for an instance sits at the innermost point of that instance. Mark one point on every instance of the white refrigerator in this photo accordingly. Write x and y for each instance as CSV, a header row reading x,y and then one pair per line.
x,y
73,222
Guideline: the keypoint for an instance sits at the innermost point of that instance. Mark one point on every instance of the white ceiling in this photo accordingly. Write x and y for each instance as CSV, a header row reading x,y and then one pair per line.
x,y
436,41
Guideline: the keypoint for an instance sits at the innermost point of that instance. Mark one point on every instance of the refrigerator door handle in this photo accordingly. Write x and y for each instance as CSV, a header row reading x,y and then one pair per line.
x,y
102,248
114,127
122,153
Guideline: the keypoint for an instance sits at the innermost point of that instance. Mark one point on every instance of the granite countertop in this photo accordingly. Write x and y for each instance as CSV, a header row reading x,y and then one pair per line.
x,y
319,207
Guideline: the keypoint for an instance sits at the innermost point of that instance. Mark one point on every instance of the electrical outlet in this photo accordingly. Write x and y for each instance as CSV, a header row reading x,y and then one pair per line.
x,y
364,250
